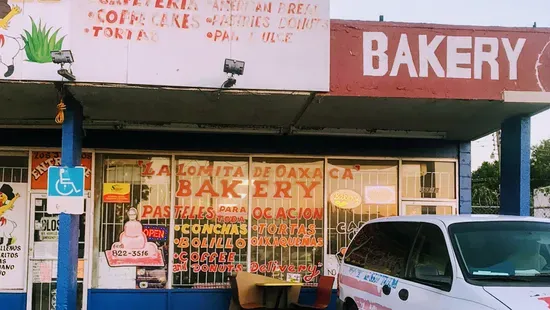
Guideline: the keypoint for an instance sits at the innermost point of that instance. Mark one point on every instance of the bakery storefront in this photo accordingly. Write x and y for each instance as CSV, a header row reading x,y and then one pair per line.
x,y
187,221
188,182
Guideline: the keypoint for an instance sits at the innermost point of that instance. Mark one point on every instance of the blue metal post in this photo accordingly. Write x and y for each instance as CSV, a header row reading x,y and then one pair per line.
x,y
465,177
67,264
515,187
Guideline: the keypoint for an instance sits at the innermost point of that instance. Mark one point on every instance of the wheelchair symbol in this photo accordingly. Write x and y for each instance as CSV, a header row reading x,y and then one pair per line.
x,y
64,185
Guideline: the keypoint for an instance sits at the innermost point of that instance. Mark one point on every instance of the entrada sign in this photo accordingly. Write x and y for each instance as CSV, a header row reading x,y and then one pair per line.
x,y
466,57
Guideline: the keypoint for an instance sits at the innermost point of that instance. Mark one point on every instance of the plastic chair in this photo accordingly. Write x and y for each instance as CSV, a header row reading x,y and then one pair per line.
x,y
324,294
235,297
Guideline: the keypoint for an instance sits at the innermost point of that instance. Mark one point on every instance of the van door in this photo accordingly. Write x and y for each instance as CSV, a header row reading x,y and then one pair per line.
x,y
428,281
374,262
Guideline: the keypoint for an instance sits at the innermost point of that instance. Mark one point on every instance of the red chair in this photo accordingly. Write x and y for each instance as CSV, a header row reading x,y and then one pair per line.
x,y
235,297
324,294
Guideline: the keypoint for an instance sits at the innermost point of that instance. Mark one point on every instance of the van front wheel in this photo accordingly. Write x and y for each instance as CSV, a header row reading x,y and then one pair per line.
x,y
350,305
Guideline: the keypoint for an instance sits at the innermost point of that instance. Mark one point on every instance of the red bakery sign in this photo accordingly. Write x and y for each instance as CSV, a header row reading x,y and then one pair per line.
x,y
429,61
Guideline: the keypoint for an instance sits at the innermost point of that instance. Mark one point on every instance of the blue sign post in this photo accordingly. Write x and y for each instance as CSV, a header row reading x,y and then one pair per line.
x,y
65,190
67,263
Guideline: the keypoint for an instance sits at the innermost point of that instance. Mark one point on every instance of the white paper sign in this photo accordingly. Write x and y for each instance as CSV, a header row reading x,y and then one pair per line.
x,y
45,250
42,271
380,194
13,235
331,266
49,228
115,277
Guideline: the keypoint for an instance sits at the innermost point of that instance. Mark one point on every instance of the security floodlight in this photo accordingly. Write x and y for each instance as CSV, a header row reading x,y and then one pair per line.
x,y
230,82
68,74
233,67
61,58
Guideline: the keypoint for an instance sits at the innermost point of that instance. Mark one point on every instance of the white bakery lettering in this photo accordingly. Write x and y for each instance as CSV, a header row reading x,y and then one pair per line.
x,y
459,60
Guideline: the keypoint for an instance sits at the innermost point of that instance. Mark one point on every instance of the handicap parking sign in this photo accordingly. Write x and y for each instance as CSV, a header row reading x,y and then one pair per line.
x,y
65,190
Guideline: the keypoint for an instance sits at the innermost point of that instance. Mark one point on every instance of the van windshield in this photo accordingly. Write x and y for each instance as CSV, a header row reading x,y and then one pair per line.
x,y
507,250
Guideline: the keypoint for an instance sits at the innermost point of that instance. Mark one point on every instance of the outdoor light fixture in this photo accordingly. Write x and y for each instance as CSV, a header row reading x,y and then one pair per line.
x,y
64,57
232,67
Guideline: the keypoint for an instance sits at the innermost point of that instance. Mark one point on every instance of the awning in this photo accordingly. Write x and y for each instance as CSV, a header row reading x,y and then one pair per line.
x,y
194,110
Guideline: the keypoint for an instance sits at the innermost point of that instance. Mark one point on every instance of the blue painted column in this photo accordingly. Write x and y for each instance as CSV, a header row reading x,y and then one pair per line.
x,y
515,188
67,264
465,178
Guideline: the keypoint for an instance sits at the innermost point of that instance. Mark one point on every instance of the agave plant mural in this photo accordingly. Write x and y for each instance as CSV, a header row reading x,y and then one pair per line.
x,y
41,41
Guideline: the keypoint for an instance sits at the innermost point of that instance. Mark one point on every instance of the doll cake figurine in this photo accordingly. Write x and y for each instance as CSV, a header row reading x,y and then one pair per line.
x,y
133,248
133,236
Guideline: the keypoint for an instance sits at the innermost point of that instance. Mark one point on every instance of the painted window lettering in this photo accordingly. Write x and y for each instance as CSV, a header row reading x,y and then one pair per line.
x,y
351,229
418,55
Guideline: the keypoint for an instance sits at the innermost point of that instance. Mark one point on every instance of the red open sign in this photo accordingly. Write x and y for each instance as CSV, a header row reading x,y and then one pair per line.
x,y
155,233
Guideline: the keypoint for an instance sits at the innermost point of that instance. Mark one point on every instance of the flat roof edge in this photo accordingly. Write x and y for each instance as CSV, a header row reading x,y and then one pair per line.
x,y
359,23
526,97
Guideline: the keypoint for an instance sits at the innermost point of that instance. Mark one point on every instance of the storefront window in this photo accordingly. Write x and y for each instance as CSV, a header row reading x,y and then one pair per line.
x,y
357,191
428,179
134,221
211,220
287,218
263,215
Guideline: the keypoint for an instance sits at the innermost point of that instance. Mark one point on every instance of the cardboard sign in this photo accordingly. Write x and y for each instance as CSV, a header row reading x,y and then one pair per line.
x,y
133,248
41,161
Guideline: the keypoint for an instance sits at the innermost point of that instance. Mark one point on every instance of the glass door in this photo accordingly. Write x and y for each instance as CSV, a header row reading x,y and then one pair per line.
x,y
431,207
43,257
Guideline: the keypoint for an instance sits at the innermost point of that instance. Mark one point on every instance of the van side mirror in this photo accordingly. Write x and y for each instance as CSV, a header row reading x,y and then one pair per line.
x,y
339,257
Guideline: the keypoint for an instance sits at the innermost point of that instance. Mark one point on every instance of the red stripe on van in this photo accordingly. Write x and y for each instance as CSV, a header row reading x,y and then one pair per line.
x,y
367,305
361,285
546,300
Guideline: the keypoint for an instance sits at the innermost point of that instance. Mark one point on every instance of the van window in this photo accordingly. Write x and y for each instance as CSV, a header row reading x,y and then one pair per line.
x,y
430,263
497,252
383,247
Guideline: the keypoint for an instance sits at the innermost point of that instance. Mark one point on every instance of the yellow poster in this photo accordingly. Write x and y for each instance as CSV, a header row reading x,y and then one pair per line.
x,y
116,193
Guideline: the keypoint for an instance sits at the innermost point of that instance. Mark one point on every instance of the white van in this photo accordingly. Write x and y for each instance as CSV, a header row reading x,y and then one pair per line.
x,y
464,262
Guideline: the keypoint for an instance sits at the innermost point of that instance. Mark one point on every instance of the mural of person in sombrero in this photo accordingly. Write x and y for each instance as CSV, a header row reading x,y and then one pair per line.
x,y
10,45
7,202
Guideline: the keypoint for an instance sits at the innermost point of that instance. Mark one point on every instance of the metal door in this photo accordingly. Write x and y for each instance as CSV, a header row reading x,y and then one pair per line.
x,y
42,275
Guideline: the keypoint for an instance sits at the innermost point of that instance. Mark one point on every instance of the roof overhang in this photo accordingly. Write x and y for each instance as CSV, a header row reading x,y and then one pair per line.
x,y
300,113
476,78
